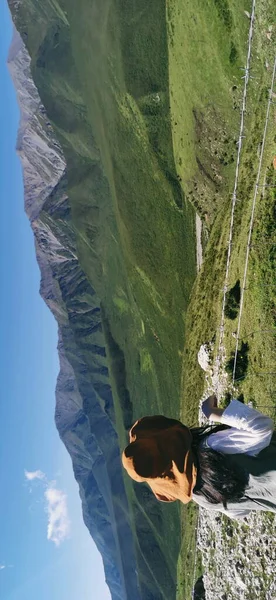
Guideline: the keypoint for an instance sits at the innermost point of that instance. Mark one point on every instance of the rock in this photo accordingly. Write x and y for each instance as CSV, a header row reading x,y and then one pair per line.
x,y
234,564
203,357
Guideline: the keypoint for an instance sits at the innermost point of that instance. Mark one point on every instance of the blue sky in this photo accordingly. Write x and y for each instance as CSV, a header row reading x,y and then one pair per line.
x,y
32,566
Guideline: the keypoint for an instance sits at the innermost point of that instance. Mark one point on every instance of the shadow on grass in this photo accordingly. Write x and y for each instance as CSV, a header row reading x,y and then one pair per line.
x,y
118,369
233,298
242,362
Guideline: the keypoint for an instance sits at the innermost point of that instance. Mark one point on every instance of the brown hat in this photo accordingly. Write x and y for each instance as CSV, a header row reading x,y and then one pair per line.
x,y
160,454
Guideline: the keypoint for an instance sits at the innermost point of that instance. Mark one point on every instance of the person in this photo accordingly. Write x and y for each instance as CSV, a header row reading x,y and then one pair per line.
x,y
229,466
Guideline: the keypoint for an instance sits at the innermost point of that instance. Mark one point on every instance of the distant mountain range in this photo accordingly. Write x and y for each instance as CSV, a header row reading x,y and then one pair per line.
x,y
84,405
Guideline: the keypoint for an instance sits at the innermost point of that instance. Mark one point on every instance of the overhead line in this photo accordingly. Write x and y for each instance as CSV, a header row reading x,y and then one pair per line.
x,y
257,187
234,195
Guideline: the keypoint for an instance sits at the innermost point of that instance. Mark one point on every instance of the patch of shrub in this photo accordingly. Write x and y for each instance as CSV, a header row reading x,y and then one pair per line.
x,y
233,54
232,302
224,12
242,362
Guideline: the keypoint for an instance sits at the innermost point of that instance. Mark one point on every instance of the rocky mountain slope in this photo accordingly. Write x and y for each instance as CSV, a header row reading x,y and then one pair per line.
x,y
84,405
104,201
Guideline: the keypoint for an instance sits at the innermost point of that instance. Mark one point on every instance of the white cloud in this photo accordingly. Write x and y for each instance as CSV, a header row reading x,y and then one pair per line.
x,y
58,519
2,567
31,475
56,507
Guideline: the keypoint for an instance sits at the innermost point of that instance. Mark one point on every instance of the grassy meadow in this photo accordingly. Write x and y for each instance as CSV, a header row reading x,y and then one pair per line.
x,y
256,373
145,101
258,319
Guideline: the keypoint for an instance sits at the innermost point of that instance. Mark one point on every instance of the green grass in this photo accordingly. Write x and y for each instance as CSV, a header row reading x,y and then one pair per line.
x,y
203,82
186,573
258,318
258,325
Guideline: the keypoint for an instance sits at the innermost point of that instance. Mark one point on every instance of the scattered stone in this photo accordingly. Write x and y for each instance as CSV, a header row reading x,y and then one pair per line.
x,y
233,570
203,357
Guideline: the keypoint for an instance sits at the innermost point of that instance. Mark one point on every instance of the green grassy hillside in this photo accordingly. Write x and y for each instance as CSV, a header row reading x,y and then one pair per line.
x,y
256,371
258,318
135,230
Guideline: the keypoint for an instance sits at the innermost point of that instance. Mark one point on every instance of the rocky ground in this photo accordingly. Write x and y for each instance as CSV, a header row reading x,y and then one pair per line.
x,y
239,556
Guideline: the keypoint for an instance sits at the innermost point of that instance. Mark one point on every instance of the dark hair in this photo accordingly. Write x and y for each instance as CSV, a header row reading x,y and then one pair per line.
x,y
144,458
154,423
152,457
217,480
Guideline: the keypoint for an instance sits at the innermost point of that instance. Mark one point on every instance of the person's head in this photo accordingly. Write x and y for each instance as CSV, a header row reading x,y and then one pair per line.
x,y
169,457
160,454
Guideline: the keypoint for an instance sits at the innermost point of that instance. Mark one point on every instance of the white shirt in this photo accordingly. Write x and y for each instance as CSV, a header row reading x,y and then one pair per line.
x,y
250,432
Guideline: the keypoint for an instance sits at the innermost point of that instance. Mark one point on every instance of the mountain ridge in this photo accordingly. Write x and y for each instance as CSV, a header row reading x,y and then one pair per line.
x,y
47,206
118,235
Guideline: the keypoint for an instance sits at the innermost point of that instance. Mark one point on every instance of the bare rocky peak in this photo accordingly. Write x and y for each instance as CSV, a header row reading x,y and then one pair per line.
x,y
41,156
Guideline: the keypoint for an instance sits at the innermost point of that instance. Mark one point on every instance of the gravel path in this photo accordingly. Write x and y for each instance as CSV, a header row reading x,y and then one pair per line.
x,y
239,556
